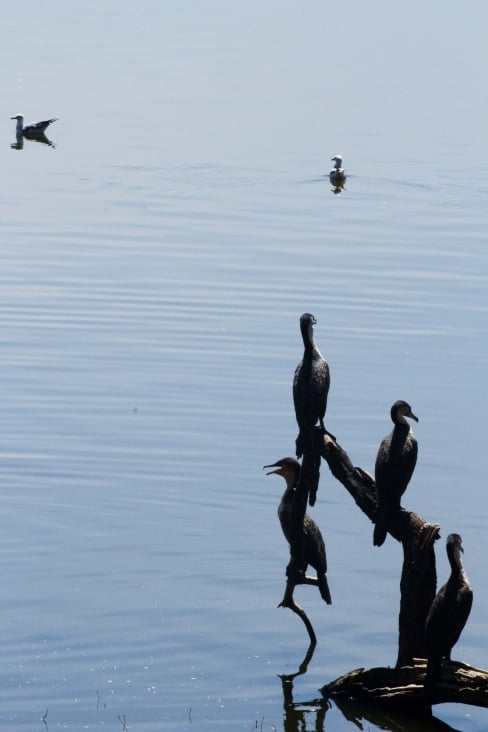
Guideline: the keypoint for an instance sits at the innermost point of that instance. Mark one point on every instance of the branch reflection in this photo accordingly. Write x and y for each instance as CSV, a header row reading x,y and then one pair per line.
x,y
392,720
297,716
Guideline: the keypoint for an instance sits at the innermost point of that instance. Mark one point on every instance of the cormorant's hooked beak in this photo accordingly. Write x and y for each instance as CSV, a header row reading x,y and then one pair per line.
x,y
274,465
412,416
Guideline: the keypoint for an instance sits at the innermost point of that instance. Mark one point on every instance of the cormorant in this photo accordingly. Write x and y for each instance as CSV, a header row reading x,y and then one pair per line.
x,y
33,130
313,542
448,613
395,463
337,175
310,386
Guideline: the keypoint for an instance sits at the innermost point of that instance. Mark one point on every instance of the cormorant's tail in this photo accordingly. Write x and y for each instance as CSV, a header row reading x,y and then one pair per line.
x,y
432,674
324,588
381,526
314,482
380,532
302,443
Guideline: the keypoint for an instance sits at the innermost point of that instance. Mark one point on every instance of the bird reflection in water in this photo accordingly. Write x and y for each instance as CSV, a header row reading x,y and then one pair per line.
x,y
19,143
34,132
338,188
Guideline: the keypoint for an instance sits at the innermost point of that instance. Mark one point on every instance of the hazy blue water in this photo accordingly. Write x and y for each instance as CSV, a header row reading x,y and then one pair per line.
x,y
153,267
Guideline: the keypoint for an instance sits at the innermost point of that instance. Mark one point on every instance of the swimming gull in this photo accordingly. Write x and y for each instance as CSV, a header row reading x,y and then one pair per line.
x,y
337,175
33,130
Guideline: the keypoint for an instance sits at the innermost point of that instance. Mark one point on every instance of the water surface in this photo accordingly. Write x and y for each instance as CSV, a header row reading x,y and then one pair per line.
x,y
154,264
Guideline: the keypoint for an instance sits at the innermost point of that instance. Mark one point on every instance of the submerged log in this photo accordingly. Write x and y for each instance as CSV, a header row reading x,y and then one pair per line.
x,y
403,687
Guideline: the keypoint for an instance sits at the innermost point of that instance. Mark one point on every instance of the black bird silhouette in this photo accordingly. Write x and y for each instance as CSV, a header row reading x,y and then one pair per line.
x,y
313,541
395,463
448,613
311,384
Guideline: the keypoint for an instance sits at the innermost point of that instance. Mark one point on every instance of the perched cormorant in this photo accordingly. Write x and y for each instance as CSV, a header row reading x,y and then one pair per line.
x,y
337,175
33,130
313,542
448,613
310,386
395,463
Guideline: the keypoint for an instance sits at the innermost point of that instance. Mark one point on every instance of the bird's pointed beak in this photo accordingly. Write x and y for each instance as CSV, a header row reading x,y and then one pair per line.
x,y
265,467
412,416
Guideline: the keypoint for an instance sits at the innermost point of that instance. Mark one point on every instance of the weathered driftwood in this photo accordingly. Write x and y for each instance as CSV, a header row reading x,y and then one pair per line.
x,y
403,688
289,602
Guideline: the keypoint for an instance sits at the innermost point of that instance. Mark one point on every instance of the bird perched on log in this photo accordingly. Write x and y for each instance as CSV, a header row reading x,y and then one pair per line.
x,y
448,613
337,175
395,463
36,129
313,541
311,384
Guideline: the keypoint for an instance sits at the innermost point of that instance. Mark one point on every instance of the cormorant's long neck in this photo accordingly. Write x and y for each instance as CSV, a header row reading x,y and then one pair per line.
x,y
20,126
289,494
400,434
307,335
291,478
401,428
454,556
399,419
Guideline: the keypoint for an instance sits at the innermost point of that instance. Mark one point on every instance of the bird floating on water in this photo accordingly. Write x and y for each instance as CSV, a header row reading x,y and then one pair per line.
x,y
395,463
448,613
313,541
36,129
311,384
337,175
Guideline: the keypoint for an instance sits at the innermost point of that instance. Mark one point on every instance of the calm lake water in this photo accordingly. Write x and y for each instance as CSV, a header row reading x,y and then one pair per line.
x,y
154,263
